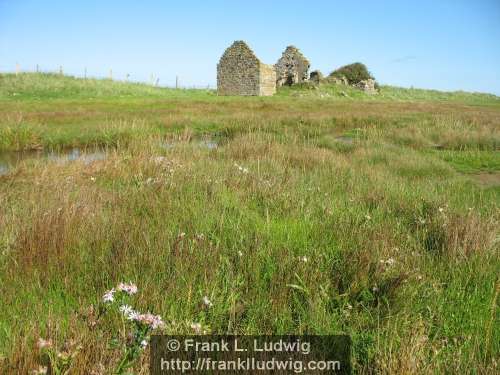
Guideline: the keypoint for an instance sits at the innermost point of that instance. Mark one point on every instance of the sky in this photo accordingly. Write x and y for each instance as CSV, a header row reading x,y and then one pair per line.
x,y
438,44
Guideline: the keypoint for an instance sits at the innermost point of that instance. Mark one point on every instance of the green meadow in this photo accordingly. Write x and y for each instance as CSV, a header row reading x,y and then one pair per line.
x,y
320,210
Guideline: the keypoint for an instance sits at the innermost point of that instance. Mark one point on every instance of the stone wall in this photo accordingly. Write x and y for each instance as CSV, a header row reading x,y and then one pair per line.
x,y
238,71
267,80
316,77
367,85
292,67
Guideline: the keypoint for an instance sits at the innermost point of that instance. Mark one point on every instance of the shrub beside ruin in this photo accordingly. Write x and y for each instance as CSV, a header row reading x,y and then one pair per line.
x,y
353,73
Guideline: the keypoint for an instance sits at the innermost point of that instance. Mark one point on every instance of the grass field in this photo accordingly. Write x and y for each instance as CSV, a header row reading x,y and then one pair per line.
x,y
319,211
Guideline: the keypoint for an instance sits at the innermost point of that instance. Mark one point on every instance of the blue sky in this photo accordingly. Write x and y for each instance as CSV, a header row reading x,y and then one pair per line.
x,y
441,44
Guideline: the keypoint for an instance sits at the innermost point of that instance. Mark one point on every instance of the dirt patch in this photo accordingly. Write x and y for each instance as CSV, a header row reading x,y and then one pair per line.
x,y
486,179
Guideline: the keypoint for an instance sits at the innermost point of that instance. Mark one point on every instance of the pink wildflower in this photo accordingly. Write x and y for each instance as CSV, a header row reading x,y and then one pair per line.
x,y
127,288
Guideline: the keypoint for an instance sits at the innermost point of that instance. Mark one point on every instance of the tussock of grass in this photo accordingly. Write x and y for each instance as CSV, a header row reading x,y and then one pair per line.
x,y
311,216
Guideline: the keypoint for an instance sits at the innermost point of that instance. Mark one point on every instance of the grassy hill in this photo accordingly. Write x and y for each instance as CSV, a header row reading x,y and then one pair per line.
x,y
34,86
387,93
375,217
48,86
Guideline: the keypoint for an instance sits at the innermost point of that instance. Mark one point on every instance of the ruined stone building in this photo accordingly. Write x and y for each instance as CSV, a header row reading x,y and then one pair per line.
x,y
292,67
240,72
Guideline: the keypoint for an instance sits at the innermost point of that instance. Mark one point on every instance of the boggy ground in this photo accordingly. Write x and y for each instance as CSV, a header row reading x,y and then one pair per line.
x,y
314,214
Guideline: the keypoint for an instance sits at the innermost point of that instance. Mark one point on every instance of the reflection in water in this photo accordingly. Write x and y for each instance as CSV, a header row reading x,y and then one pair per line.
x,y
10,159
204,143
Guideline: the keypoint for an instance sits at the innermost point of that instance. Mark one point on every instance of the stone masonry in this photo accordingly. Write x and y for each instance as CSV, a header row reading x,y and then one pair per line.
x,y
292,67
316,77
240,72
367,85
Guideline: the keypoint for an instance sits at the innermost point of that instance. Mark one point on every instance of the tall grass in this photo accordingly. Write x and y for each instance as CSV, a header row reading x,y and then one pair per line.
x,y
286,227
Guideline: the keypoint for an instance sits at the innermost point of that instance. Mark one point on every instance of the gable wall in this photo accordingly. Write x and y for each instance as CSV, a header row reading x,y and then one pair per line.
x,y
238,72
292,67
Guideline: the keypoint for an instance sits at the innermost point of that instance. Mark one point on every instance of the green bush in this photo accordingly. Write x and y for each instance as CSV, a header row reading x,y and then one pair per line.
x,y
354,73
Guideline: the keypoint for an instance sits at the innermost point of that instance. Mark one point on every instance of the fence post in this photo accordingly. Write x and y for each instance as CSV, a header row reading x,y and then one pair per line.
x,y
176,82
37,68
111,74
18,69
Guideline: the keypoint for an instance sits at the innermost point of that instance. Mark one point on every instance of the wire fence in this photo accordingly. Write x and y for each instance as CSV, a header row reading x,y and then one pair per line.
x,y
154,79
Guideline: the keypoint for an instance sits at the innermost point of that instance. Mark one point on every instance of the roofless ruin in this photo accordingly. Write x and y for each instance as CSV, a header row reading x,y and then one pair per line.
x,y
240,72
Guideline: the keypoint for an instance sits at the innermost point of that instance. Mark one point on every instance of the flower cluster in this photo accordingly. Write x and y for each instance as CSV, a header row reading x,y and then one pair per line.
x,y
140,325
148,319
151,320
129,289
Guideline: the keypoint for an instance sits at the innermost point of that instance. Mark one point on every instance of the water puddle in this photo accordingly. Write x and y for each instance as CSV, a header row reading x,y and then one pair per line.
x,y
10,159
202,143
